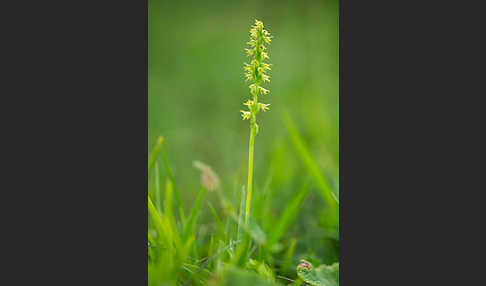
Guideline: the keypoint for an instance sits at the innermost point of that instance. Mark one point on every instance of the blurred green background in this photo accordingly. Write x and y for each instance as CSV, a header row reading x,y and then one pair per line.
x,y
196,88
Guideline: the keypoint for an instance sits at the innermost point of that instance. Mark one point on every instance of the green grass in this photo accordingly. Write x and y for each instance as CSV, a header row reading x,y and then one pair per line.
x,y
223,248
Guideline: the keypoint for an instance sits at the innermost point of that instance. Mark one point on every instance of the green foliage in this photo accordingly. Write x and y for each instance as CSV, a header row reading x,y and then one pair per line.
x,y
174,254
177,196
286,265
155,153
288,216
261,269
237,277
324,275
310,163
189,228
331,213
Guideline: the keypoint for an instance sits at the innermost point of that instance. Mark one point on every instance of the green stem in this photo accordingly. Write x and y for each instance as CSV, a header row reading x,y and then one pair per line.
x,y
253,132
250,171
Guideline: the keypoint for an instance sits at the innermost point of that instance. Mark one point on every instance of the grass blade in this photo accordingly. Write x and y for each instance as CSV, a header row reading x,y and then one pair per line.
x,y
176,191
155,152
254,231
286,265
288,216
160,227
218,221
306,157
158,202
191,221
168,212
210,259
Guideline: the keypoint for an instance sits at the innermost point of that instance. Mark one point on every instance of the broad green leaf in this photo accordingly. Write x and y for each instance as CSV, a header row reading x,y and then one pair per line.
x,y
324,275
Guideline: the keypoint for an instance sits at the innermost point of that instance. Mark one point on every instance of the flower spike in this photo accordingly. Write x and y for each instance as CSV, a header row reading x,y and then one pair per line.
x,y
255,71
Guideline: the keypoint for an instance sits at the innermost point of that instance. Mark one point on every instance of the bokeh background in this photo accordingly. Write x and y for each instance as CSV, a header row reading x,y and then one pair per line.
x,y
196,89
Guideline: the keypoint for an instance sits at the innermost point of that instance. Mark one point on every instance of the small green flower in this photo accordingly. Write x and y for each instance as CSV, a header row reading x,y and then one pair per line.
x,y
249,103
245,114
263,91
263,106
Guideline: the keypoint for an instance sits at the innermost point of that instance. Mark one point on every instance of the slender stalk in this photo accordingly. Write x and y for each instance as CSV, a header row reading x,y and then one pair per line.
x,y
250,171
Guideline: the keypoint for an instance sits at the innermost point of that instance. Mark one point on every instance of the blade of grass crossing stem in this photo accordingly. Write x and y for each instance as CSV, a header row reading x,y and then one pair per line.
x,y
176,191
191,221
155,152
288,216
309,162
